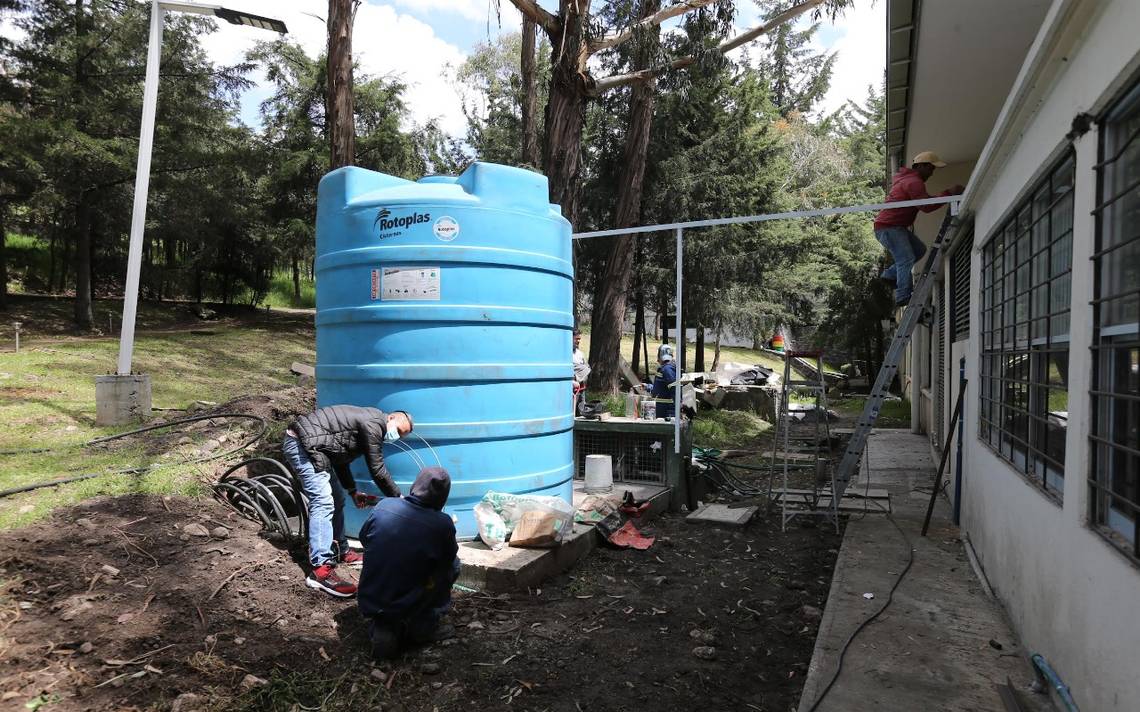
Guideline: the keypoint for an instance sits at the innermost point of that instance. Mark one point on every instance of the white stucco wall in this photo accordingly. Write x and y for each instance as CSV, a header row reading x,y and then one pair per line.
x,y
1070,594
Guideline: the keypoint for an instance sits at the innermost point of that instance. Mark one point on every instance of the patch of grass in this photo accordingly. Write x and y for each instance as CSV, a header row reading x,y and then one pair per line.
x,y
725,429
47,399
29,262
290,690
281,292
893,414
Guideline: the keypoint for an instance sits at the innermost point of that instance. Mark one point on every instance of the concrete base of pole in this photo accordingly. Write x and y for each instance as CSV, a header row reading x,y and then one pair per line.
x,y
122,399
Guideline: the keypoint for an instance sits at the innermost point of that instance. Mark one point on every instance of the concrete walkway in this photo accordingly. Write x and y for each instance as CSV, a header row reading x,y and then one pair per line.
x,y
931,649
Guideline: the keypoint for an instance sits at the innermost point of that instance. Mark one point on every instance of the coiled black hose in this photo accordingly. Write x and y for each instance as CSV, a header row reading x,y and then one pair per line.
x,y
136,470
272,498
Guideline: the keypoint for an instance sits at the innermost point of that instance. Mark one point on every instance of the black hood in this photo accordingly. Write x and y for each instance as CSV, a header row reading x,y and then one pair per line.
x,y
431,488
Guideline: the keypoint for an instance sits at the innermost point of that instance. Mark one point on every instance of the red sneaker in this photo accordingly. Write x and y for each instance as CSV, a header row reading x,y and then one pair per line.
x,y
352,558
324,578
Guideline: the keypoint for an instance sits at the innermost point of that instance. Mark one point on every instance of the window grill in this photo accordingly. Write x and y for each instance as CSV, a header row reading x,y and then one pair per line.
x,y
1026,295
960,286
942,335
1114,478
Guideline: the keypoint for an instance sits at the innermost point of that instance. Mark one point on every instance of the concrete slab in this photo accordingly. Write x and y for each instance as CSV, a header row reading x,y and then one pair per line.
x,y
930,650
722,514
513,569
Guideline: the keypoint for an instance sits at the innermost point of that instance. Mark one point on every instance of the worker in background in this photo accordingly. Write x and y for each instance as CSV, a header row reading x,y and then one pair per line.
x,y
894,226
410,564
665,382
327,441
581,369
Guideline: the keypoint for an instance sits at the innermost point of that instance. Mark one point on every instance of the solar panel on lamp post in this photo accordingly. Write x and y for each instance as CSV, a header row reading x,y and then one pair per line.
x,y
106,389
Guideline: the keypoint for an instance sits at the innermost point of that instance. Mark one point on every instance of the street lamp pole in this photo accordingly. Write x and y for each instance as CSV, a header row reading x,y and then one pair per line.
x,y
124,396
142,186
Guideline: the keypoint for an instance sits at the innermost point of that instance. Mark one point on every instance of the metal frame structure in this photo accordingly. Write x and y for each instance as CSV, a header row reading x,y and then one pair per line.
x,y
679,228
158,10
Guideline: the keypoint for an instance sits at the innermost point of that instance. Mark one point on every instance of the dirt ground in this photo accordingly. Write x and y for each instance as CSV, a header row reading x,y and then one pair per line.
x,y
114,605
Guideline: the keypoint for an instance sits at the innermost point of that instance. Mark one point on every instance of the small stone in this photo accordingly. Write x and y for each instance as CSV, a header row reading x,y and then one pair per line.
x,y
211,444
85,523
86,648
239,641
702,636
437,685
71,428
195,529
251,681
378,675
186,702
27,508
658,580
811,613
430,668
219,532
222,438
995,645
475,625
184,537
449,642
704,652
110,570
184,440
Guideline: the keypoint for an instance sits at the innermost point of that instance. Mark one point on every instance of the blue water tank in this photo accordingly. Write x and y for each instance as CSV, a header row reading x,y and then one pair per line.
x,y
451,298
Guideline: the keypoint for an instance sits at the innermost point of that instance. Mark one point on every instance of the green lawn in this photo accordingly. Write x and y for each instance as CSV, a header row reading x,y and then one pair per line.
x,y
47,398
739,355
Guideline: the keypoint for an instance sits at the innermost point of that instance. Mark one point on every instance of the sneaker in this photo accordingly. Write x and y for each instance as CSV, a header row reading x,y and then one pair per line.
x,y
385,643
352,558
324,578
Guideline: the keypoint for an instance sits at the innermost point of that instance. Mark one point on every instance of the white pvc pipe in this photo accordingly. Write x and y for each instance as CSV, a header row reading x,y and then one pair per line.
x,y
142,185
680,354
865,208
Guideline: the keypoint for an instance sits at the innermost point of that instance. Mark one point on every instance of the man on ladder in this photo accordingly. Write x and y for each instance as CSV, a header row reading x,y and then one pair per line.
x,y
893,226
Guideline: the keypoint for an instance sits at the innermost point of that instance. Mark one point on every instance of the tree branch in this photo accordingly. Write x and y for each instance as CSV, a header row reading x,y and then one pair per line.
x,y
619,80
541,17
655,19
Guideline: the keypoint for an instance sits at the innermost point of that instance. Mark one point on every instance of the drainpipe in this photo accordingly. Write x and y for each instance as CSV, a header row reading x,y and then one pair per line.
x,y
958,454
1047,678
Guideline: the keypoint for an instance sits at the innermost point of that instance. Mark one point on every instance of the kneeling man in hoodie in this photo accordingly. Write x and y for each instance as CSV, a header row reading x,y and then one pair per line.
x,y
409,565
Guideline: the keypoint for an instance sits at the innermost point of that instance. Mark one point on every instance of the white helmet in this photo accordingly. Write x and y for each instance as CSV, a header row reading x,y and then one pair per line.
x,y
664,353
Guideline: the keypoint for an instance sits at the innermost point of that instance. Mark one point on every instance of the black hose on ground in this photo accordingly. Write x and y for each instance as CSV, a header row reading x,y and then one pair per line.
x,y
136,470
272,498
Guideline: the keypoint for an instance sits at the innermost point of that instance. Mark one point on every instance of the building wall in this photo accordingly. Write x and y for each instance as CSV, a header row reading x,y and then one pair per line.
x,y
1071,595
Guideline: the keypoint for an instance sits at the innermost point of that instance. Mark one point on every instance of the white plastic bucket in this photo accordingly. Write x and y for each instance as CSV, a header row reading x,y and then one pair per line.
x,y
599,474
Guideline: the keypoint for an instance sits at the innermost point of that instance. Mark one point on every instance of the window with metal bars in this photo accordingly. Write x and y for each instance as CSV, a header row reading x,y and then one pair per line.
x,y
941,334
960,287
1026,293
1114,478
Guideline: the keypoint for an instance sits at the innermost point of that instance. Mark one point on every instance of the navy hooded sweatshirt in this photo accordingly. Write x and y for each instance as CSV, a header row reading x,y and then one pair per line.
x,y
409,550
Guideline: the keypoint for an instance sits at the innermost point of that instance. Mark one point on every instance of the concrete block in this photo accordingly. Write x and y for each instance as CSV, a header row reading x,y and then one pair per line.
x,y
120,400
511,569
722,514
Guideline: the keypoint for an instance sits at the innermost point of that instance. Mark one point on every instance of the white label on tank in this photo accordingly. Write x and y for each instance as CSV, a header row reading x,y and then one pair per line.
x,y
446,228
406,283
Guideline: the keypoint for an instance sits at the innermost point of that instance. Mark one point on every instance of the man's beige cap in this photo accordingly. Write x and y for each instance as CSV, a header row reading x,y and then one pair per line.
x,y
929,157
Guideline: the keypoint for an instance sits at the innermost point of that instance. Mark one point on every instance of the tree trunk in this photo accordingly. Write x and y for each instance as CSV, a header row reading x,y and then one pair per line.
x,y
566,113
84,318
530,155
638,334
699,360
3,257
340,116
296,278
716,348
612,289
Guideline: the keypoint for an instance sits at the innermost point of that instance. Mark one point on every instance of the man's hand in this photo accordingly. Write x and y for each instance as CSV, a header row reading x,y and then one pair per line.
x,y
362,500
956,189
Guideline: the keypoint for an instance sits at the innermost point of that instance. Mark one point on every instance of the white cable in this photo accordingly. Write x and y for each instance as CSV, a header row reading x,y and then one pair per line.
x,y
408,448
429,447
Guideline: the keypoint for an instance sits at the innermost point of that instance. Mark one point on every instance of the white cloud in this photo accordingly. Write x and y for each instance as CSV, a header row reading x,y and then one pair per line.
x,y
385,42
861,51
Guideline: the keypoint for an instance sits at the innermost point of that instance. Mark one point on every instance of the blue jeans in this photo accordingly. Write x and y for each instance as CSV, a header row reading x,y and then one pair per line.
x,y
326,504
905,248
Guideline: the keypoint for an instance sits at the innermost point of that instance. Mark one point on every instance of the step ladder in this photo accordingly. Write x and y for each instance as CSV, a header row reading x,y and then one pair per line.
x,y
803,443
849,465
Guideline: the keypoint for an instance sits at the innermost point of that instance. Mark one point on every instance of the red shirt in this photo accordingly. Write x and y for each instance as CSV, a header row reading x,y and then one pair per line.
x,y
906,185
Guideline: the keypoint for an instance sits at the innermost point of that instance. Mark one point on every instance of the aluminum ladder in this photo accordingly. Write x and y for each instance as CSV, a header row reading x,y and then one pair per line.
x,y
849,465
803,431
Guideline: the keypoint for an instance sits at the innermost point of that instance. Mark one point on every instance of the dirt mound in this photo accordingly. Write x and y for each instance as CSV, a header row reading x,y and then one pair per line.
x,y
124,604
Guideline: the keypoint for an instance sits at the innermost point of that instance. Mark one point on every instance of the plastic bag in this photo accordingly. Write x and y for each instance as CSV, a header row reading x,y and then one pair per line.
x,y
557,515
492,528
